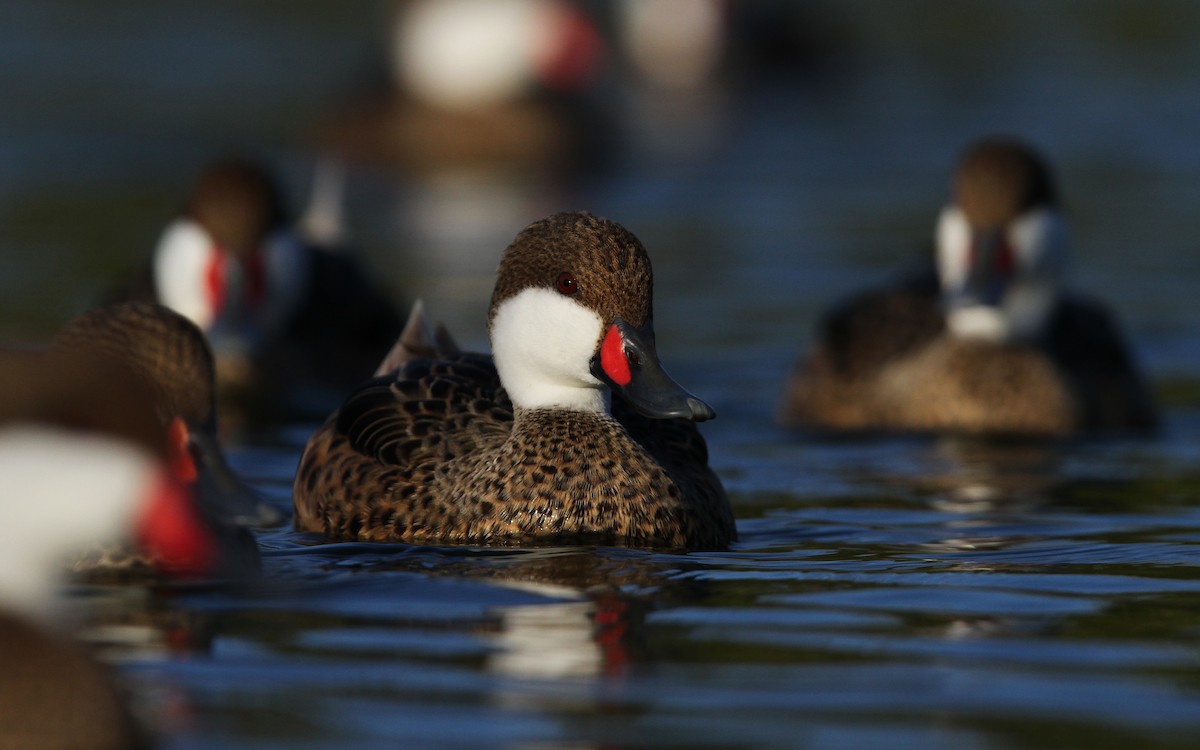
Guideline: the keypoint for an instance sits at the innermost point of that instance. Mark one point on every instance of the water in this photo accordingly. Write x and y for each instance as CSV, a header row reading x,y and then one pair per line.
x,y
888,593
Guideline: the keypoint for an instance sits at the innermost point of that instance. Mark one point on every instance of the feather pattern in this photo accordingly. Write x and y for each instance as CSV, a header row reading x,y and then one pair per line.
x,y
436,452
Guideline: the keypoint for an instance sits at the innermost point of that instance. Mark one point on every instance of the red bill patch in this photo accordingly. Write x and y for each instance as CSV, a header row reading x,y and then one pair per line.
x,y
613,359
179,452
173,534
215,280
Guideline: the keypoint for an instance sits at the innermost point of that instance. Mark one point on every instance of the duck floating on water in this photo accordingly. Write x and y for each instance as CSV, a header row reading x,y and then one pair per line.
x,y
273,299
570,433
990,341
483,84
168,354
81,432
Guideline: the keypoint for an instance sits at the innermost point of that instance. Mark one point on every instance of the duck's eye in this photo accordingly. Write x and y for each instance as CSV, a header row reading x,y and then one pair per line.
x,y
567,284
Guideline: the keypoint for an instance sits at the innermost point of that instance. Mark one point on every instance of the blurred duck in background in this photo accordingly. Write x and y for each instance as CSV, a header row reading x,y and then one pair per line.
x,y
167,353
560,86
287,309
990,341
491,83
85,464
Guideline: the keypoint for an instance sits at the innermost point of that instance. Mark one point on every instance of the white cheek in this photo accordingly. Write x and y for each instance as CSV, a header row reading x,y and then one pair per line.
x,y
181,263
953,248
74,490
1028,307
1042,244
543,343
58,471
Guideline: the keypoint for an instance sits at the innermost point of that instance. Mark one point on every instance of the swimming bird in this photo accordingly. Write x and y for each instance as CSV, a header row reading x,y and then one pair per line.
x,y
570,433
989,341
483,84
276,300
169,354
84,463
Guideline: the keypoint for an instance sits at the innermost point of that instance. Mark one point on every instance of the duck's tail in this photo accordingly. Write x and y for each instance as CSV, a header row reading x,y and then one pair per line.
x,y
417,340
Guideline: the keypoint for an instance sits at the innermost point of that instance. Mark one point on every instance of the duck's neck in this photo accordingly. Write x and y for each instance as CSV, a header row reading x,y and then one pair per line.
x,y
542,344
571,401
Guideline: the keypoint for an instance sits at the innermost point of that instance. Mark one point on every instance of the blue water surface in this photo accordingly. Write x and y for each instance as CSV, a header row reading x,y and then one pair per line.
x,y
884,593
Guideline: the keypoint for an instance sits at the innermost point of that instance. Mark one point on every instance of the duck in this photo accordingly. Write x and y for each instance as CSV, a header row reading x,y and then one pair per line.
x,y
480,85
989,339
93,419
570,432
275,298
84,463
169,354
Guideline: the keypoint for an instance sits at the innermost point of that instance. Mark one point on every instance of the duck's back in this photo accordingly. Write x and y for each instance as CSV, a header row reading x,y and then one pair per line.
x,y
1087,345
858,342
883,360
871,330
368,473
340,328
430,454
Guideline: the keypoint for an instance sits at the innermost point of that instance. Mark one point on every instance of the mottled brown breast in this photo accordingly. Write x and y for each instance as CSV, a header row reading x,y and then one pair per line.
x,y
436,455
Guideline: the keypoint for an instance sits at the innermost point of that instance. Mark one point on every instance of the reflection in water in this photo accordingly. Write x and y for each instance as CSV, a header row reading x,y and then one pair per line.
x,y
132,626
988,483
564,640
974,475
596,602
547,641
129,623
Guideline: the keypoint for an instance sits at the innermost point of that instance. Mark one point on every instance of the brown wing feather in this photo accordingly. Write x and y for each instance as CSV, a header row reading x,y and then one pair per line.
x,y
366,473
868,331
856,342
430,409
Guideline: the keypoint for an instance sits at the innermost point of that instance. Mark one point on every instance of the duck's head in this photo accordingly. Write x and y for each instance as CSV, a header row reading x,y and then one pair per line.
x,y
237,203
229,262
1002,243
571,321
169,354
